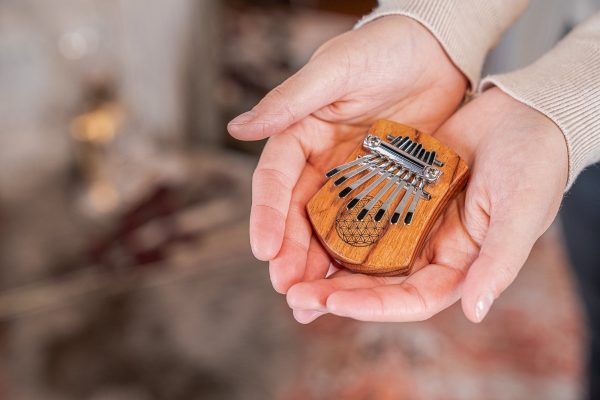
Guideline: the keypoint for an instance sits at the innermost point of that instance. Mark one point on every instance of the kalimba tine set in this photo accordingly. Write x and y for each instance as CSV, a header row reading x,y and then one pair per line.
x,y
375,211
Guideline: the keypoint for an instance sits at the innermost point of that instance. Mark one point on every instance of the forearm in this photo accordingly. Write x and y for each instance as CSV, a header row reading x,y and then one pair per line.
x,y
564,85
466,29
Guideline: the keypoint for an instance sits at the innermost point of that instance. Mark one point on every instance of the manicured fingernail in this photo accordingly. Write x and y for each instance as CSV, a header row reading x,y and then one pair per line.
x,y
243,118
306,316
484,303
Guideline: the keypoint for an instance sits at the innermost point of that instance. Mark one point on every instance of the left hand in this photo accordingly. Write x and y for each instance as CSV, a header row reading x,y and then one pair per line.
x,y
519,169
390,68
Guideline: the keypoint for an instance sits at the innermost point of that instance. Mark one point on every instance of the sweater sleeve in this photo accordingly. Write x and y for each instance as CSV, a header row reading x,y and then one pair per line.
x,y
564,85
466,29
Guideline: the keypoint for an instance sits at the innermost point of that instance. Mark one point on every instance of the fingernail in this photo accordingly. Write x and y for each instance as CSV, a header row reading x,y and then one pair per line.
x,y
332,270
484,303
306,316
243,118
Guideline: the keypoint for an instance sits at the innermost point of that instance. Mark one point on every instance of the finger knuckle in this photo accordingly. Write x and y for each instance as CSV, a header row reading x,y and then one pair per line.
x,y
281,97
504,270
270,178
415,293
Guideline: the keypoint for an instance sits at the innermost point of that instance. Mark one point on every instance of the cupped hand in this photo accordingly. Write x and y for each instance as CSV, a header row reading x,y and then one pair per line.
x,y
390,68
519,170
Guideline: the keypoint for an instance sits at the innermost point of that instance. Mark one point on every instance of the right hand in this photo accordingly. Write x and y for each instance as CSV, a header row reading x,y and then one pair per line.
x,y
519,168
391,68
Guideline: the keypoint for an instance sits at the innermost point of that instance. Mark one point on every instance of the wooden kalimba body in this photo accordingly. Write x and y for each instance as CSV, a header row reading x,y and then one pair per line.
x,y
375,212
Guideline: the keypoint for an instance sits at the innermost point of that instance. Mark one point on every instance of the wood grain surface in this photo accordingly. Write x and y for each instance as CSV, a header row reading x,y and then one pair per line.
x,y
395,247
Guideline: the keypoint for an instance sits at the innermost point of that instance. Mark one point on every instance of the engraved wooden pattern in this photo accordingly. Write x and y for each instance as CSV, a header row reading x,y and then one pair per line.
x,y
353,214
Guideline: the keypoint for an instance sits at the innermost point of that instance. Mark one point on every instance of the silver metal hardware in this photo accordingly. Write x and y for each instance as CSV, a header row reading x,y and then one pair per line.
x,y
406,158
396,162
356,184
351,164
365,165
402,204
365,210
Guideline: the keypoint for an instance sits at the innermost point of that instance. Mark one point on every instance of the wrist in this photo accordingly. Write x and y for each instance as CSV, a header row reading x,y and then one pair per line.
x,y
495,113
401,36
509,113
532,120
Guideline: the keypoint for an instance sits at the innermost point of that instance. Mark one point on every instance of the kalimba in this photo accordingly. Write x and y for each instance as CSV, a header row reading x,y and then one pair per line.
x,y
374,213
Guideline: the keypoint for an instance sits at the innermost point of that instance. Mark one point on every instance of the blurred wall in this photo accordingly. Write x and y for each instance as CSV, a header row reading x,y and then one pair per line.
x,y
55,55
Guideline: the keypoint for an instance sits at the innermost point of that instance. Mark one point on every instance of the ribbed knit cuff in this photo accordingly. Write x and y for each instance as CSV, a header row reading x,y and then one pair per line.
x,y
466,29
564,85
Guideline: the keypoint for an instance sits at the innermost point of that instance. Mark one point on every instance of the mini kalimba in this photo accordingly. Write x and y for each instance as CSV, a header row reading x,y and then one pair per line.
x,y
375,211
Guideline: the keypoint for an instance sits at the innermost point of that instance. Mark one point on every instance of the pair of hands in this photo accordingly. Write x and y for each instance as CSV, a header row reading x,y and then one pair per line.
x,y
393,68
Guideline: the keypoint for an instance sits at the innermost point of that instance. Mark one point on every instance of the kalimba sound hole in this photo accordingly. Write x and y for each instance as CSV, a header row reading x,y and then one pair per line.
x,y
359,233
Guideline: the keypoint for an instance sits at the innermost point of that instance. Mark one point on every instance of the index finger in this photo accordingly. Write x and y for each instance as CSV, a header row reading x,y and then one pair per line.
x,y
276,174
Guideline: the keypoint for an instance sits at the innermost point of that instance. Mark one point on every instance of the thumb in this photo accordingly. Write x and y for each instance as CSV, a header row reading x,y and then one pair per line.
x,y
505,249
316,85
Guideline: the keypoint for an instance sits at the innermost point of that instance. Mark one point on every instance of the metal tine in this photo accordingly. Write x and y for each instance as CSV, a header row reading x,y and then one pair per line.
x,y
373,185
420,155
396,140
350,164
357,171
362,180
417,149
431,158
425,157
401,143
383,209
413,205
406,145
411,147
400,207
365,210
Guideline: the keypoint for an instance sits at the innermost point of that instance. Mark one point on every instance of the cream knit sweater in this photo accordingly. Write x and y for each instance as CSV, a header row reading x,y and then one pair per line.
x,y
564,84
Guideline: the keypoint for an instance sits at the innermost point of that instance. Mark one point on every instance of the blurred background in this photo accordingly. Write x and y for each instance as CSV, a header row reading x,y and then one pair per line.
x,y
125,268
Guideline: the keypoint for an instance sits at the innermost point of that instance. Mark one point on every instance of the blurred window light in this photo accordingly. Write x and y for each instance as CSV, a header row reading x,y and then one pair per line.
x,y
75,44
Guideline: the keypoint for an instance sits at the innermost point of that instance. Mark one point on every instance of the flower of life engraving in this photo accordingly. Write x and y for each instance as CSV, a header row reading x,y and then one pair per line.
x,y
359,233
